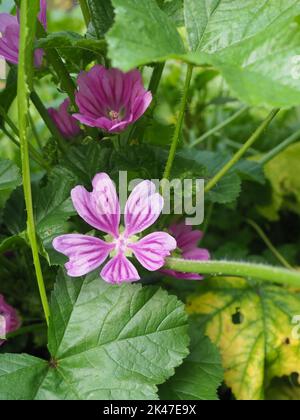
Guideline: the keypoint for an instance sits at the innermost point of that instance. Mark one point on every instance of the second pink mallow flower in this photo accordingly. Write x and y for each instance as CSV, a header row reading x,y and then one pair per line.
x,y
187,243
9,319
64,121
101,210
110,99
10,35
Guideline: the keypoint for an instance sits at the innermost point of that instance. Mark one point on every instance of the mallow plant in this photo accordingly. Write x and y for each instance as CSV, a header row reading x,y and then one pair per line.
x,y
107,288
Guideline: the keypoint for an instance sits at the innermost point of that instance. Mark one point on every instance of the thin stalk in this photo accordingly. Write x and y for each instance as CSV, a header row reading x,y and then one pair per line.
x,y
24,84
34,154
48,120
219,126
269,244
179,124
237,146
156,77
255,136
280,148
10,136
85,12
262,272
9,121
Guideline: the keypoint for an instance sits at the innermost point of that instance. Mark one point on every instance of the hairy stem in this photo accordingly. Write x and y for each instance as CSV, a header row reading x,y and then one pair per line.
x,y
219,126
237,269
29,8
255,136
179,124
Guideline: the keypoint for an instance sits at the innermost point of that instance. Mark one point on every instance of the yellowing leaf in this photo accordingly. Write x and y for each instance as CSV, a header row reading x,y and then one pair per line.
x,y
283,174
252,324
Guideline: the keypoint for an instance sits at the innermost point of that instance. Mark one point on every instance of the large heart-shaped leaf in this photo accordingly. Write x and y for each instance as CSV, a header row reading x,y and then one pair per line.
x,y
252,325
255,44
200,374
106,342
144,31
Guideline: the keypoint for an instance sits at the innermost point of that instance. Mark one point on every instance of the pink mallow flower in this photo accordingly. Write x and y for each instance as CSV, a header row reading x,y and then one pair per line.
x,y
10,35
187,243
9,320
64,121
101,210
110,99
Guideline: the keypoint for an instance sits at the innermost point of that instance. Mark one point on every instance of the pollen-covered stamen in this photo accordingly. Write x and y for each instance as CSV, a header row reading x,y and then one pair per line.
x,y
113,115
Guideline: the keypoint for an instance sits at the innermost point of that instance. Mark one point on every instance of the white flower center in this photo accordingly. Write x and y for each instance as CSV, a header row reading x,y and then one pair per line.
x,y
121,244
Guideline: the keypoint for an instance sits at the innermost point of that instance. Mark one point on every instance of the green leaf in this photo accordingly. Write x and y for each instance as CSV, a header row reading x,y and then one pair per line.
x,y
70,41
102,15
254,45
252,325
283,174
144,31
283,389
197,16
20,376
106,342
229,187
200,374
10,178
174,10
52,208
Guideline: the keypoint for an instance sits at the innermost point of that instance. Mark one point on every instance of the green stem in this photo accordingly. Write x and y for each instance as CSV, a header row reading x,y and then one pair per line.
x,y
85,11
237,146
156,77
48,120
269,244
237,269
24,85
255,136
280,148
179,124
66,81
219,126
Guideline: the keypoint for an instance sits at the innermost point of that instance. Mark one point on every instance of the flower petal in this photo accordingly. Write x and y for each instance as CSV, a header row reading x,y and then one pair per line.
x,y
198,254
85,253
9,44
187,238
143,208
119,270
181,276
100,208
152,250
5,20
64,121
